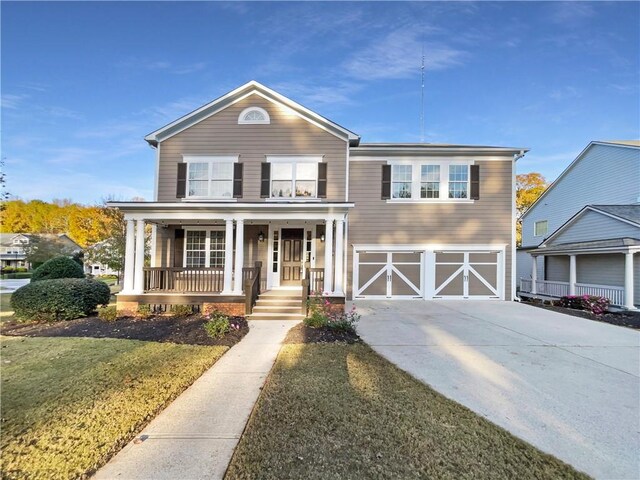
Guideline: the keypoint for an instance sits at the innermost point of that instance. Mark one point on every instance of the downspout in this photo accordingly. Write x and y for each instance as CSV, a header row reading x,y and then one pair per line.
x,y
516,157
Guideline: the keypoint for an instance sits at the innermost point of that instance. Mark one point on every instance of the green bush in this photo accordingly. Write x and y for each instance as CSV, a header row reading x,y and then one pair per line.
x,y
217,325
181,310
316,319
144,311
108,314
58,267
59,299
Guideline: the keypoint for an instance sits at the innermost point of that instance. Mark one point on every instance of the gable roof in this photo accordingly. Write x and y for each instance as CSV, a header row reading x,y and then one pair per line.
x,y
635,144
238,94
6,239
625,213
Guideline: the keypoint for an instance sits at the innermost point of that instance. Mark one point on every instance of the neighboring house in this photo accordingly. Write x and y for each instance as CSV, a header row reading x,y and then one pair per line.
x,y
97,268
255,177
12,247
580,236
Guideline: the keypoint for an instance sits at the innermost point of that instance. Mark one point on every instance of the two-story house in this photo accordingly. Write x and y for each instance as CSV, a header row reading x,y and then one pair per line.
x,y
580,237
255,192
13,247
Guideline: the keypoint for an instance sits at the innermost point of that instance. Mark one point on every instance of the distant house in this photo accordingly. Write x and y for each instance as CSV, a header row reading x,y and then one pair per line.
x,y
97,268
582,235
12,247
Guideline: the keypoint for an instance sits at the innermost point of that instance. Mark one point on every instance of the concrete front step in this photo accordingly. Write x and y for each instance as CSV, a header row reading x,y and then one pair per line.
x,y
276,309
278,303
276,316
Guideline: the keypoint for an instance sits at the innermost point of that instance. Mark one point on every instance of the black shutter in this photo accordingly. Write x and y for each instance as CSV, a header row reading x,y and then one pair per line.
x,y
386,182
474,193
181,185
178,248
237,180
322,180
266,178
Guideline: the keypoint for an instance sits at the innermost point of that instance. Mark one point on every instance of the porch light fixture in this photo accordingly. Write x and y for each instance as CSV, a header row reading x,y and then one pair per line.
x,y
322,237
260,236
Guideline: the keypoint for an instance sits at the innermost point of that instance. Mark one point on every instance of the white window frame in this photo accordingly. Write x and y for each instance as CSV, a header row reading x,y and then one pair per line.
x,y
535,228
207,244
293,160
242,121
416,180
210,160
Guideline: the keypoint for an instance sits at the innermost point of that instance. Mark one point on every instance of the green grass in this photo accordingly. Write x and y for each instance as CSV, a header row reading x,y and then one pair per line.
x,y
5,299
342,411
68,404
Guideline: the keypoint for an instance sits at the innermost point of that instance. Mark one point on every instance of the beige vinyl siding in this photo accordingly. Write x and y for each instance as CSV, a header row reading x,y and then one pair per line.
x,y
485,221
164,246
220,134
557,268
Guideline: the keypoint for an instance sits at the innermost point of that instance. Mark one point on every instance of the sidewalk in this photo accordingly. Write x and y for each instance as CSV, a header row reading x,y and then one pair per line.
x,y
195,436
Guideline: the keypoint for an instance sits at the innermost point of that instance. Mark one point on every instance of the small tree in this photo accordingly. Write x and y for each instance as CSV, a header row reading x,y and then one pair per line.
x,y
529,186
41,249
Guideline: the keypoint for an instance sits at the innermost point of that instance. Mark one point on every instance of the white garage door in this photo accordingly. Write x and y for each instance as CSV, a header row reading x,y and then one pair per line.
x,y
473,274
388,274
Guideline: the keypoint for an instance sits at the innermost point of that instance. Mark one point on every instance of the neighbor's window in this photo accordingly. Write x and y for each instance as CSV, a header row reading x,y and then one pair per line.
x,y
430,181
401,181
204,248
540,228
294,179
211,178
458,181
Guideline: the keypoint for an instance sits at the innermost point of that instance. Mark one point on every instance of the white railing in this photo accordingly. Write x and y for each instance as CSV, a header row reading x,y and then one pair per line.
x,y
614,294
561,289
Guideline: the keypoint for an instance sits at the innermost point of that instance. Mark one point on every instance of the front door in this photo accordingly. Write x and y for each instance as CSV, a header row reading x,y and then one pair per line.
x,y
292,256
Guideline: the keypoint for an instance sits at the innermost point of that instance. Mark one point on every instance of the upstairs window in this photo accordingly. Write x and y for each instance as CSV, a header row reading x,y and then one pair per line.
x,y
540,228
430,181
210,177
401,181
442,181
254,115
458,181
294,178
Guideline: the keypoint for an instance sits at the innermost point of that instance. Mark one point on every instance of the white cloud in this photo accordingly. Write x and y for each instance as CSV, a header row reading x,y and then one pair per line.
x,y
318,95
564,93
398,55
571,13
12,101
163,65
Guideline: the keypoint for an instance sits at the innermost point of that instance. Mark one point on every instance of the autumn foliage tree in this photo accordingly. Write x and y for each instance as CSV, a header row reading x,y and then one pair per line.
x,y
529,186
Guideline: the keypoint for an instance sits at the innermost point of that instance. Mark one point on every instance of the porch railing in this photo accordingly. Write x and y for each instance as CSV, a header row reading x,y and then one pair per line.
x,y
316,279
561,289
614,294
182,280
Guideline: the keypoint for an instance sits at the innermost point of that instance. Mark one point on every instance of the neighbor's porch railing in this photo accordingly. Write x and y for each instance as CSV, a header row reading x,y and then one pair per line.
x,y
561,289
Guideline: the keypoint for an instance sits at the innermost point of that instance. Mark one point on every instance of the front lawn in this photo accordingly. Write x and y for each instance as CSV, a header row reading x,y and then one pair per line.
x,y
342,411
68,404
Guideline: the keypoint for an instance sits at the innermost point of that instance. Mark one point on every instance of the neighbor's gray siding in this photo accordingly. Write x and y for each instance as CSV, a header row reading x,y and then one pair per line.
x,y
557,269
595,226
604,175
376,221
220,134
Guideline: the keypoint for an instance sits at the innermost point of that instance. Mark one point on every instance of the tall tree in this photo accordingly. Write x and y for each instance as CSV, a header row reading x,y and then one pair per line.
x,y
529,186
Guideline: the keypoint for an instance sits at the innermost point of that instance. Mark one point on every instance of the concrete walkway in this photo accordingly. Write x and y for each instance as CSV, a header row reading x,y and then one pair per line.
x,y
567,385
195,436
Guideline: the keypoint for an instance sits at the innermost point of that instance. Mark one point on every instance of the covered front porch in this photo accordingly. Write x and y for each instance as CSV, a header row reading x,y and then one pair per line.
x,y
573,269
221,254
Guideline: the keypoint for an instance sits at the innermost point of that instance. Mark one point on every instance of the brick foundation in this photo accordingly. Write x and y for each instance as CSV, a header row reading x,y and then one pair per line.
x,y
233,309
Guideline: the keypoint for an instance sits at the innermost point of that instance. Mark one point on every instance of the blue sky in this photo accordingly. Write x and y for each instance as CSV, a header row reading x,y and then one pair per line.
x,y
83,82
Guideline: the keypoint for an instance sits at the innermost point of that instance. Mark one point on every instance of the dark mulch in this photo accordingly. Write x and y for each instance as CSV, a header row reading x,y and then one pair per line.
x,y
185,330
621,319
304,334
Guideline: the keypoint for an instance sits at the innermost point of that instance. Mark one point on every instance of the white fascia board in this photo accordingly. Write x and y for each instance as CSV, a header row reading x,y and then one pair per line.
x,y
187,206
209,217
431,156
429,246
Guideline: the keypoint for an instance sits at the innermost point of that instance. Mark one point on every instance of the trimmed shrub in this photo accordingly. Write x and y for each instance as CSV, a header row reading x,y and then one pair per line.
x,y
144,311
108,314
592,303
181,310
58,267
59,299
217,325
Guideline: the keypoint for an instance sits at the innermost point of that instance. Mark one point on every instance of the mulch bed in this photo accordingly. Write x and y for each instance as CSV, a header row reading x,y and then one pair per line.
x,y
304,334
621,319
184,330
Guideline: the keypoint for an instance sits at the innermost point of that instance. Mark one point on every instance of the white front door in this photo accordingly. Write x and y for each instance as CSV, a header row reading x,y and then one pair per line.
x,y
389,274
467,274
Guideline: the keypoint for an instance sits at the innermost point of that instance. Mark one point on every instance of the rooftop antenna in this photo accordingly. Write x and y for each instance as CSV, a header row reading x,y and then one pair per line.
x,y
422,99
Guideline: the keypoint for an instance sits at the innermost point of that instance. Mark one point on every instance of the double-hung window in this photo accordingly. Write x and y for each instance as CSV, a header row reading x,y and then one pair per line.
x,y
458,181
429,181
401,181
417,181
294,178
204,248
540,228
210,177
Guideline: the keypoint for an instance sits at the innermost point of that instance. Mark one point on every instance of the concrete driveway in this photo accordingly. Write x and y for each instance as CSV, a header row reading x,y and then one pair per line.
x,y
567,385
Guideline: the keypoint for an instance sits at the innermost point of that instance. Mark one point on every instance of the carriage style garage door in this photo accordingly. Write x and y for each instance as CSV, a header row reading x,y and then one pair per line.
x,y
432,274
466,274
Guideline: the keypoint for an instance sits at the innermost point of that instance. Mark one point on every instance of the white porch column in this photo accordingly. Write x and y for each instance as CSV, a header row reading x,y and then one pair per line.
x,y
228,257
534,274
572,275
628,280
338,287
138,276
328,256
129,256
239,257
